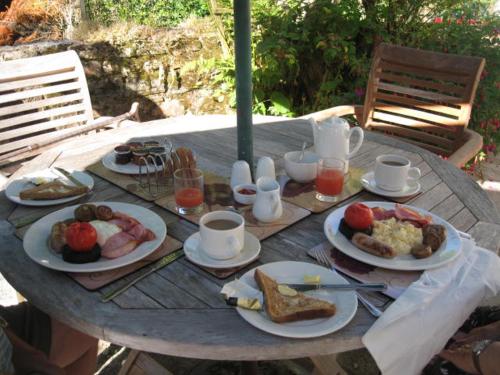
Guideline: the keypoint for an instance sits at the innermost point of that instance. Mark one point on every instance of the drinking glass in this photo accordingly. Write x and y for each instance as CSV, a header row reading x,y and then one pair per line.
x,y
188,189
330,179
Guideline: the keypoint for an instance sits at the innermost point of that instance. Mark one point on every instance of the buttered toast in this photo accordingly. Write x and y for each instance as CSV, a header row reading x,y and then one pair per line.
x,y
290,307
52,190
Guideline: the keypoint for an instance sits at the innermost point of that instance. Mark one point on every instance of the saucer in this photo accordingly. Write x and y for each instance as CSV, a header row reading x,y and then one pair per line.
x,y
368,182
194,252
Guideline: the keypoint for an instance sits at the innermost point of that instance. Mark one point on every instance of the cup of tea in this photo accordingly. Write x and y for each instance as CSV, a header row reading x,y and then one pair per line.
x,y
222,234
394,172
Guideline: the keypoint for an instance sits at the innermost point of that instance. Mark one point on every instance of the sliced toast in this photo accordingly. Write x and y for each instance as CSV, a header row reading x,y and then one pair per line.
x,y
52,190
283,308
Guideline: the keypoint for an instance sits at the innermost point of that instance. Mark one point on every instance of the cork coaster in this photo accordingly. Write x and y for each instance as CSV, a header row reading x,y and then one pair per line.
x,y
304,194
219,196
96,280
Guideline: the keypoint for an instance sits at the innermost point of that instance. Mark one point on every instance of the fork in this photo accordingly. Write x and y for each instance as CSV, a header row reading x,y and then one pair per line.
x,y
324,259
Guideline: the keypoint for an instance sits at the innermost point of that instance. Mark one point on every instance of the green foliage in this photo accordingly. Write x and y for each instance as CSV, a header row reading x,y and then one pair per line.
x,y
162,13
311,55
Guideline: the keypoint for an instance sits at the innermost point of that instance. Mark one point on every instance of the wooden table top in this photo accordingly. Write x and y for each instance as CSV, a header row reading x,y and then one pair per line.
x,y
178,310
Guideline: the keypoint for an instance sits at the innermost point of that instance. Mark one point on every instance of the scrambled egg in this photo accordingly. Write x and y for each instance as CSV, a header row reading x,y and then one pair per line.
x,y
399,235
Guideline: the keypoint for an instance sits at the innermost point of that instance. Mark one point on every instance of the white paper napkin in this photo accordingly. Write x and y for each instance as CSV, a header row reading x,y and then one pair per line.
x,y
421,321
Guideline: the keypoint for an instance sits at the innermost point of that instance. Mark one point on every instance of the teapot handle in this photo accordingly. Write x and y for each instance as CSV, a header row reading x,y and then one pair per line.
x,y
357,146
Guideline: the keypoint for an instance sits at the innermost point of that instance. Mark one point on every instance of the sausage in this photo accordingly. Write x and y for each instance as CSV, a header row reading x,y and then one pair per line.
x,y
103,213
57,236
421,251
434,235
373,246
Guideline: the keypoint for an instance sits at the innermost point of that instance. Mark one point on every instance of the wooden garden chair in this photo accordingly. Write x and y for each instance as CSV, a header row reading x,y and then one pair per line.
x,y
43,101
422,96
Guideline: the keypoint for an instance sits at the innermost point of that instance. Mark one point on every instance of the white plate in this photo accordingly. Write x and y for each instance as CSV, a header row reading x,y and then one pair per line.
x,y
36,239
448,251
368,182
195,253
293,272
130,168
15,187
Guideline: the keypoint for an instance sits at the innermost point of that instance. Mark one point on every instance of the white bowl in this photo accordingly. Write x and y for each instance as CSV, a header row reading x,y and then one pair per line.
x,y
303,171
244,198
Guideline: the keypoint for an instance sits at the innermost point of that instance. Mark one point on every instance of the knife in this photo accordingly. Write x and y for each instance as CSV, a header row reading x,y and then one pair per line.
x,y
167,259
372,287
68,175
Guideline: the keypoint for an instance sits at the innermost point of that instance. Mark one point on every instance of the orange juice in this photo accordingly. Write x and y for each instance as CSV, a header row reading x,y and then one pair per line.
x,y
330,182
189,197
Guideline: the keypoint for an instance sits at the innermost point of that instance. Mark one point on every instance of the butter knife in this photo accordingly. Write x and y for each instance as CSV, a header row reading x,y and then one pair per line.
x,y
371,287
68,175
167,259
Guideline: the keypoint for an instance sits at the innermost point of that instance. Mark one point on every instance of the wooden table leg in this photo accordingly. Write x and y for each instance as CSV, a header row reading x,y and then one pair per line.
x,y
327,365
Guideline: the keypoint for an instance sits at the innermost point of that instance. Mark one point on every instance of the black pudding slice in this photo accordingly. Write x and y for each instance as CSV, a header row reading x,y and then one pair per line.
x,y
347,231
71,256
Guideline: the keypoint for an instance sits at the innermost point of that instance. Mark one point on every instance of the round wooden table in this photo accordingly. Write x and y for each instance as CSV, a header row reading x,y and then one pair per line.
x,y
178,310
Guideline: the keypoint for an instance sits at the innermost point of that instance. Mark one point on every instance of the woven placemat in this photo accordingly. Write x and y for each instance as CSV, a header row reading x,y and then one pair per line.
x,y
304,194
225,272
219,196
397,281
96,280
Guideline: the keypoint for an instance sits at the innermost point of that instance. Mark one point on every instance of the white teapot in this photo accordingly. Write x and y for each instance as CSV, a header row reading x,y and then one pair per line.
x,y
331,139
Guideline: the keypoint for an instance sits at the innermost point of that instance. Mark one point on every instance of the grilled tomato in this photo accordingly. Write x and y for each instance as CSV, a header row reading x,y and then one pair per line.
x,y
358,216
81,236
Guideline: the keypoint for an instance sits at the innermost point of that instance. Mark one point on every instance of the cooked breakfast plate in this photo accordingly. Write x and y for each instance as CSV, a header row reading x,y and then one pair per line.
x,y
396,230
130,168
25,183
129,234
290,272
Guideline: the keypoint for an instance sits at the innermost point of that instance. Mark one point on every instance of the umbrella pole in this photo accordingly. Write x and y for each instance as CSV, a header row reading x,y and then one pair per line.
x,y
243,62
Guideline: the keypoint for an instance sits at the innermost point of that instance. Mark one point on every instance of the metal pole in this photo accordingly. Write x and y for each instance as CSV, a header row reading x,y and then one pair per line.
x,y
243,62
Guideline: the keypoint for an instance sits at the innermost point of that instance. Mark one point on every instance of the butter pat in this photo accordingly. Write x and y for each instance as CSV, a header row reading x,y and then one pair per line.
x,y
312,279
41,180
285,290
245,303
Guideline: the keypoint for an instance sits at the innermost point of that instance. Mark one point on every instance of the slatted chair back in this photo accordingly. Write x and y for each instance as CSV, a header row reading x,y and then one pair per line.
x,y
41,97
425,97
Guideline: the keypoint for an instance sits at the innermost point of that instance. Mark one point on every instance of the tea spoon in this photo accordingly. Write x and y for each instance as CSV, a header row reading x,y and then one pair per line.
x,y
302,152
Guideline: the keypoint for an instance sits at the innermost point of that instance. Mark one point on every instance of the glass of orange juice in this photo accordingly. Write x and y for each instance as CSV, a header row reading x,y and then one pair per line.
x,y
188,190
330,179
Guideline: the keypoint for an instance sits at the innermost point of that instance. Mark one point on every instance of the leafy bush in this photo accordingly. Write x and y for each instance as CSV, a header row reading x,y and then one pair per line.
x,y
162,13
311,55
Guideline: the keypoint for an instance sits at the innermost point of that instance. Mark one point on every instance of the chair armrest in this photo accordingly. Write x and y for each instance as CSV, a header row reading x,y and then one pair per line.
x,y
473,144
339,111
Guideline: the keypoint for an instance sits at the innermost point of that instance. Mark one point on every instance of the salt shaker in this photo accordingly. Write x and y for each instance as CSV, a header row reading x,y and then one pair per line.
x,y
265,168
240,173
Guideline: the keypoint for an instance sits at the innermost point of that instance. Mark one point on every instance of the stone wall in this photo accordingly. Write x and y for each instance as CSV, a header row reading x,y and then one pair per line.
x,y
131,63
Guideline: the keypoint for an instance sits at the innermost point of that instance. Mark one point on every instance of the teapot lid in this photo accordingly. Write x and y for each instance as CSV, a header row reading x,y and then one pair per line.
x,y
334,121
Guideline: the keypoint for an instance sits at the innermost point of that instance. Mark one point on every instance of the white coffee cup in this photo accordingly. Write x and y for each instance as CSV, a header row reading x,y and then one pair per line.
x,y
394,172
222,243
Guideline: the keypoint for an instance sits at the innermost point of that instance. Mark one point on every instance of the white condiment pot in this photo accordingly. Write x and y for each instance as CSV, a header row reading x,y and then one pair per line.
x,y
331,139
267,207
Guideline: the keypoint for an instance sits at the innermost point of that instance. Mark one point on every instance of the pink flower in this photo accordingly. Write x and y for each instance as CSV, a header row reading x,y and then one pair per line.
x,y
359,92
438,20
472,22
